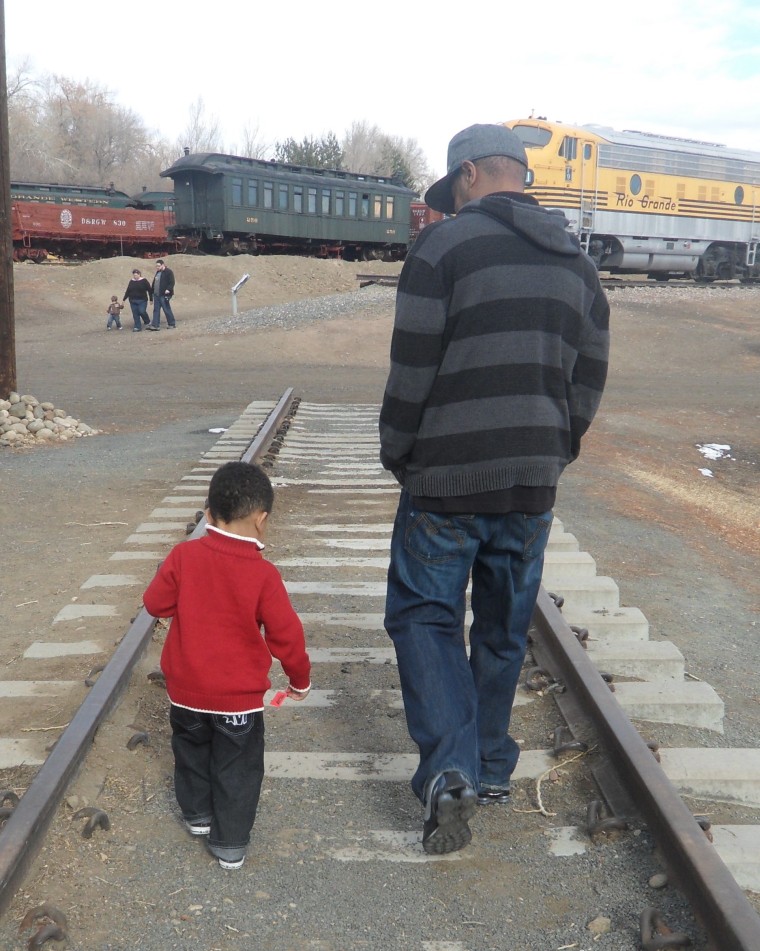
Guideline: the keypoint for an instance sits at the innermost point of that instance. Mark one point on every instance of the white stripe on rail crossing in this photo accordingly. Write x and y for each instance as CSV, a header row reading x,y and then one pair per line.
x,y
43,650
384,528
76,612
359,589
332,483
18,689
387,845
381,767
110,581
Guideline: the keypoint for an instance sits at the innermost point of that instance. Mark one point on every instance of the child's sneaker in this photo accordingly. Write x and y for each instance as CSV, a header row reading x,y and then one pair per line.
x,y
224,863
199,827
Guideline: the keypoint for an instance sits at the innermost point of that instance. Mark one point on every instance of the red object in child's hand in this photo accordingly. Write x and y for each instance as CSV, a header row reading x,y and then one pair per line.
x,y
277,699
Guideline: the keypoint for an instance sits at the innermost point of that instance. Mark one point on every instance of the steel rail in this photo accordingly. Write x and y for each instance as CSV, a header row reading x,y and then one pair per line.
x,y
619,283
25,829
718,902
383,280
608,283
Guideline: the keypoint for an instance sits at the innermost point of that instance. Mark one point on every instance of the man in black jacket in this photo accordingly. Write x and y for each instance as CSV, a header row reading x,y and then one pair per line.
x,y
163,291
498,362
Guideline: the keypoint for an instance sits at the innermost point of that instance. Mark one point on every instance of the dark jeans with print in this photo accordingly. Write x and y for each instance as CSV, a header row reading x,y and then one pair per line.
x,y
218,771
458,707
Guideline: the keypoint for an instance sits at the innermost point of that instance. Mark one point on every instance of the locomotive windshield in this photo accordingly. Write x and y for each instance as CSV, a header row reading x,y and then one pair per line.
x,y
532,137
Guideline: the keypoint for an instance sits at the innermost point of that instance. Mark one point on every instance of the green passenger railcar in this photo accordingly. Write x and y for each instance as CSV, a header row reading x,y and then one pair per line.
x,y
231,204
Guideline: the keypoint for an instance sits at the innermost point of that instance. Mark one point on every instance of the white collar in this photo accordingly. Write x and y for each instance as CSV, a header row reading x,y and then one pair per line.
x,y
239,538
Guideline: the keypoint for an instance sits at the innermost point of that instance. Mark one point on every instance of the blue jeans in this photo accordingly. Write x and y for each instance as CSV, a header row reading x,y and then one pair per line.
x,y
139,312
458,710
162,303
218,771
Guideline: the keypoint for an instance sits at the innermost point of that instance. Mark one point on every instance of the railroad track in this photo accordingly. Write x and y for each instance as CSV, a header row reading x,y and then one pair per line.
x,y
608,283
623,284
384,280
339,504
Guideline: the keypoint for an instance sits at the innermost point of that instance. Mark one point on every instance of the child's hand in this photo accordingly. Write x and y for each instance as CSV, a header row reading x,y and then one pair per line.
x,y
297,694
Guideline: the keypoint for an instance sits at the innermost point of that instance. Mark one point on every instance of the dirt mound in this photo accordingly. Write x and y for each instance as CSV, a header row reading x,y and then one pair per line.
x,y
203,287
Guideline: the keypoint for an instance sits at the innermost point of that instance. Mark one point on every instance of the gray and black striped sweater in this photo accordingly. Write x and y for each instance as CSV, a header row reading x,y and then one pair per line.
x,y
499,352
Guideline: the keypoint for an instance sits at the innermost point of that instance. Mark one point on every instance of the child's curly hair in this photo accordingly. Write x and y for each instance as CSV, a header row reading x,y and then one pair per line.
x,y
237,489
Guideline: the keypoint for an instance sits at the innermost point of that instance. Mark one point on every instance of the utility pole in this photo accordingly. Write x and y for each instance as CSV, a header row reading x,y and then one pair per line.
x,y
7,323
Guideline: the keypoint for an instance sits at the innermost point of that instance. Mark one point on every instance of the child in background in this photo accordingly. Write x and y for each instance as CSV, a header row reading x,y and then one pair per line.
x,y
220,592
114,309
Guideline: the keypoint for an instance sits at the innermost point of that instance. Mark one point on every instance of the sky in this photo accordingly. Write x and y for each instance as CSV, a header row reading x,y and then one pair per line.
x,y
423,69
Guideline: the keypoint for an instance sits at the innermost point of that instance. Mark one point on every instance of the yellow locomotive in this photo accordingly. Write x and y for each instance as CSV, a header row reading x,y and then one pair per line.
x,y
649,203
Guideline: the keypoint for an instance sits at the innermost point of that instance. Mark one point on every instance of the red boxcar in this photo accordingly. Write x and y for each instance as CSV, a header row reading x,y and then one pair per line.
x,y
39,229
422,216
88,221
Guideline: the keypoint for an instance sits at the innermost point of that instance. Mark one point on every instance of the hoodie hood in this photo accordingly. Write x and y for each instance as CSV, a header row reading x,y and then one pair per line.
x,y
522,214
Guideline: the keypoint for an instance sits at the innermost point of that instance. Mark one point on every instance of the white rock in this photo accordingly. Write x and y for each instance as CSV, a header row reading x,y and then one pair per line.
x,y
600,925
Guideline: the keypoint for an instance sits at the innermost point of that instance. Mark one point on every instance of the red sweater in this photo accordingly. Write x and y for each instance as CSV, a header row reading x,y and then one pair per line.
x,y
220,592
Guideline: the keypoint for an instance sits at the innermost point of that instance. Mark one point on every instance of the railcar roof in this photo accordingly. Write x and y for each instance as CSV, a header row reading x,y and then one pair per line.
x,y
216,163
653,140
671,143
153,196
82,189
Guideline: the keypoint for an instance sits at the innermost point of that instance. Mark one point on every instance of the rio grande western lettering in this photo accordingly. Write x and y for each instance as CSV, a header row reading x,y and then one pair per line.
x,y
650,204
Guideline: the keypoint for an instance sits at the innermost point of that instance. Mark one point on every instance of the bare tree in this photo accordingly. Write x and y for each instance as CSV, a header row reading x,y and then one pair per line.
x,y
408,162
362,147
27,155
252,144
367,149
21,81
63,130
201,134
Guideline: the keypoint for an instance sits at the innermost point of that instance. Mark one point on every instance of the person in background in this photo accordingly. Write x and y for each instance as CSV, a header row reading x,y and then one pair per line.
x,y
163,291
498,361
220,592
114,310
138,293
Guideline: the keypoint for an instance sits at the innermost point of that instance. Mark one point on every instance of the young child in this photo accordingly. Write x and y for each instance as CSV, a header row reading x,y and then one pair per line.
x,y
219,592
114,309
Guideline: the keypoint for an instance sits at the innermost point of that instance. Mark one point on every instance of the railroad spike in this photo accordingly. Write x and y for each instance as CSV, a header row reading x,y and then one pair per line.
x,y
50,932
96,817
90,678
45,910
141,737
656,935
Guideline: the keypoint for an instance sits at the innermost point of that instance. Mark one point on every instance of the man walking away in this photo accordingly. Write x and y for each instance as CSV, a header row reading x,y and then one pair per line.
x,y
163,291
498,362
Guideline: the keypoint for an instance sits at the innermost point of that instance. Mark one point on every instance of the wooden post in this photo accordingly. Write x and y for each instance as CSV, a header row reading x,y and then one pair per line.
x,y
7,323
